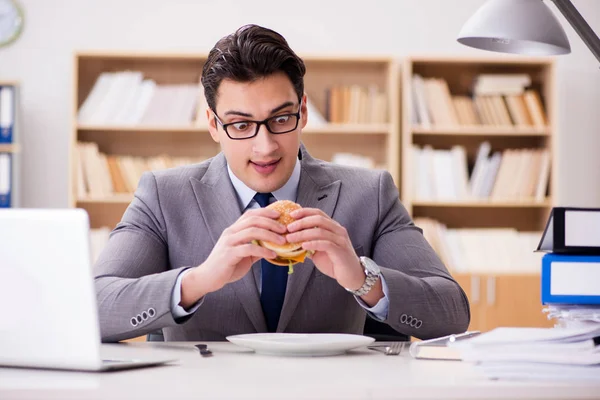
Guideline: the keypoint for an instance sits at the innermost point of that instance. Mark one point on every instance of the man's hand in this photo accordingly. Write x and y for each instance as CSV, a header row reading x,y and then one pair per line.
x,y
334,254
233,254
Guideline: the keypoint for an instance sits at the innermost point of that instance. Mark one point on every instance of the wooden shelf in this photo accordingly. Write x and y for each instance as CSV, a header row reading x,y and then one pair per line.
x,y
348,129
125,199
140,55
331,129
141,128
495,291
9,148
473,61
503,299
483,204
481,131
377,141
116,199
512,273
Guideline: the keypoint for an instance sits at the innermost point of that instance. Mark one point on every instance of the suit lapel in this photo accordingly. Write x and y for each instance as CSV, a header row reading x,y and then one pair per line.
x,y
216,198
315,190
220,208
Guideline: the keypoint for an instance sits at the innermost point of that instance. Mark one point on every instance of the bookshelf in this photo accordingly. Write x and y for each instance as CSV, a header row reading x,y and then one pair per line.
x,y
477,212
479,131
338,88
10,149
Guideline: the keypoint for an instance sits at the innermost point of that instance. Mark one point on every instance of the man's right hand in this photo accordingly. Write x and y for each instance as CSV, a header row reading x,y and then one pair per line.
x,y
233,254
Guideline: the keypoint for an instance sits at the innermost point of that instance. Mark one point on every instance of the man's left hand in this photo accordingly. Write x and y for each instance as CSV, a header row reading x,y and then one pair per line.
x,y
334,254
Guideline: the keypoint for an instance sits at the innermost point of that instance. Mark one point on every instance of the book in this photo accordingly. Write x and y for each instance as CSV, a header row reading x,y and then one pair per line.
x,y
420,101
100,175
501,84
315,118
536,108
572,230
570,279
438,349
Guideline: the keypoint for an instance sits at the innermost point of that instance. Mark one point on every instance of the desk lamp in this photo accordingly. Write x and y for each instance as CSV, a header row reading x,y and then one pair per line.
x,y
526,27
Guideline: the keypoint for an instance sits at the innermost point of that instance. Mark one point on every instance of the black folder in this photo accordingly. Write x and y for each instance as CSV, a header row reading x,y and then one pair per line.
x,y
572,230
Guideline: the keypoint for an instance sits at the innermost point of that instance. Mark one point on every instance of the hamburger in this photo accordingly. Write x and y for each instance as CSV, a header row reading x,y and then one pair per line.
x,y
288,254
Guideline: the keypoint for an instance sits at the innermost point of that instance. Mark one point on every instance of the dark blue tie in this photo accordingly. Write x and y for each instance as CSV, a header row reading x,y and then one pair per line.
x,y
274,281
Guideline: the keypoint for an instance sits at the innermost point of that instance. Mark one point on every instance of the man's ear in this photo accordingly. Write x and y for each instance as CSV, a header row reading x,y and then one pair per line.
x,y
303,112
212,125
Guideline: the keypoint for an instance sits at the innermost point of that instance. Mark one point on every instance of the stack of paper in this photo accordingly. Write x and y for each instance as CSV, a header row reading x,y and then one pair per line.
x,y
536,353
574,315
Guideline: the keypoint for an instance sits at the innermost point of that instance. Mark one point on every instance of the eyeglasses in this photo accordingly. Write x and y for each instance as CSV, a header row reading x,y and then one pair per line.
x,y
246,129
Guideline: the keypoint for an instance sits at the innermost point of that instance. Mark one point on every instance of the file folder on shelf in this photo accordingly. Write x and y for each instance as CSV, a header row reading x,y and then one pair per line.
x,y
572,230
5,180
570,279
7,114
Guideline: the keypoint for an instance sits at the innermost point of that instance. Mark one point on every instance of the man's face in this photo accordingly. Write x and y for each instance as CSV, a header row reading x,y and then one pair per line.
x,y
265,162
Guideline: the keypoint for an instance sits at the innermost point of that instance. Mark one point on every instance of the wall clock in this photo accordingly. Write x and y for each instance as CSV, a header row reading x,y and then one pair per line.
x,y
11,21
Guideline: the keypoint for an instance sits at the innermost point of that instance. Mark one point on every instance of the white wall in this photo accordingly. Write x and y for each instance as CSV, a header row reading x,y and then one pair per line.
x,y
42,61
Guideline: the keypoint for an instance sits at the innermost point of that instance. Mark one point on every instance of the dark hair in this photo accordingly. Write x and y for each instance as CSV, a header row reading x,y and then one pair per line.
x,y
250,53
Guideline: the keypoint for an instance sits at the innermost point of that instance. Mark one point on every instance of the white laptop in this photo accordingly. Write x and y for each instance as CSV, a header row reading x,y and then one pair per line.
x,y
48,307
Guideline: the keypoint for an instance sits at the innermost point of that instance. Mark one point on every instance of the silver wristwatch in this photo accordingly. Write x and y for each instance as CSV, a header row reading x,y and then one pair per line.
x,y
372,273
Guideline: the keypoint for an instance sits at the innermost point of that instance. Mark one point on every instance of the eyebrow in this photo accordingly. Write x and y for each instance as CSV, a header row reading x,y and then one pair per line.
x,y
273,111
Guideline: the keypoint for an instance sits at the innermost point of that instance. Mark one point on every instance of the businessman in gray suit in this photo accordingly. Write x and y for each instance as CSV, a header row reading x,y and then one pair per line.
x,y
182,258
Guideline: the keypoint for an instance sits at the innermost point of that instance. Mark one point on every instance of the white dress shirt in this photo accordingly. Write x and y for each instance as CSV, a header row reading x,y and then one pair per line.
x,y
246,199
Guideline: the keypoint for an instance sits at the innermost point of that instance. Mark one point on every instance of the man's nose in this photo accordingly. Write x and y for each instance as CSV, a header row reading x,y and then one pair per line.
x,y
264,142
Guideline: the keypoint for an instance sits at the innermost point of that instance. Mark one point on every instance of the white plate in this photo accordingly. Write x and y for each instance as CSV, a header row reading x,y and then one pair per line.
x,y
300,344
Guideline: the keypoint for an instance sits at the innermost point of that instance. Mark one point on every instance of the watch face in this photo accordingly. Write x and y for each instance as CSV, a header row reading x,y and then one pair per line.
x,y
370,265
11,21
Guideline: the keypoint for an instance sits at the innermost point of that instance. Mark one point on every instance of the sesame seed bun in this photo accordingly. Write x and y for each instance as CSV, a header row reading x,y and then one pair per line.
x,y
285,251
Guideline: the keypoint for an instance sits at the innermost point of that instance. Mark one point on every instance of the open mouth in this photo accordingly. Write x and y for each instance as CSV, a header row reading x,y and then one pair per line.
x,y
265,167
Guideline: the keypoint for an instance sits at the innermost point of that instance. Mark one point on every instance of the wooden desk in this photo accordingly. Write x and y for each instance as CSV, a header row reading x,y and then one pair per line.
x,y
235,373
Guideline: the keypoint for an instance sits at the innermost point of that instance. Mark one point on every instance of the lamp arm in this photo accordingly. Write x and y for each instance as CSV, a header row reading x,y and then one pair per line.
x,y
580,26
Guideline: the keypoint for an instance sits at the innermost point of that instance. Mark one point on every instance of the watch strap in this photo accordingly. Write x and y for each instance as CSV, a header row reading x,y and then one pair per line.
x,y
370,280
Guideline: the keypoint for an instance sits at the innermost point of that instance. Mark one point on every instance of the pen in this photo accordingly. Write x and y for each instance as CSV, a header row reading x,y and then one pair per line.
x,y
460,336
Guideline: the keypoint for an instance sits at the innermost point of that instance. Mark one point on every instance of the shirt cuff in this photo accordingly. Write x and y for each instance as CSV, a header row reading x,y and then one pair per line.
x,y
380,310
176,309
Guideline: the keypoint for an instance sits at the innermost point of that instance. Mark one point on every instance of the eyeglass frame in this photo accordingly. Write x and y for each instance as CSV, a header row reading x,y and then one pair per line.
x,y
259,123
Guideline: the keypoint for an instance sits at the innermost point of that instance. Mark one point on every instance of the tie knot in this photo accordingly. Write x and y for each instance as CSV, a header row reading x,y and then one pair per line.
x,y
263,198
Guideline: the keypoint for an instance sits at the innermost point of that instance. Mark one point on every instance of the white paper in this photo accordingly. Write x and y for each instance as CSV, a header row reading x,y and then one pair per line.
x,y
530,335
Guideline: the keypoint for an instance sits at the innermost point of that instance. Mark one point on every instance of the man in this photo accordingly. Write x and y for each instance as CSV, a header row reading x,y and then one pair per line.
x,y
183,259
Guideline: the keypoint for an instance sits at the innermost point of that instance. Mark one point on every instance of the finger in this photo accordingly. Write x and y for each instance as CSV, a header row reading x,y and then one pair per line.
x,y
254,251
319,221
307,211
259,221
254,233
261,212
320,245
307,235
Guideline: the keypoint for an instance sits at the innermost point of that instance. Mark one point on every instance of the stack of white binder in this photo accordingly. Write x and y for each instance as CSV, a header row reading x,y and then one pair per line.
x,y
571,354
571,267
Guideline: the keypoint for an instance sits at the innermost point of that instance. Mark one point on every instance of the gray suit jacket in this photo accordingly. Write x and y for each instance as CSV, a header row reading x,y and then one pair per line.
x,y
177,216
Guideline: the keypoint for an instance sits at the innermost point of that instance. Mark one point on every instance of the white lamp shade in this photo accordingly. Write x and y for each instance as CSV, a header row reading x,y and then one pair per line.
x,y
515,26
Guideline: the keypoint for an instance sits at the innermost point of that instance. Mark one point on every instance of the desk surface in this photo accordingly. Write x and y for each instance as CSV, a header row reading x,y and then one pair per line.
x,y
236,373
